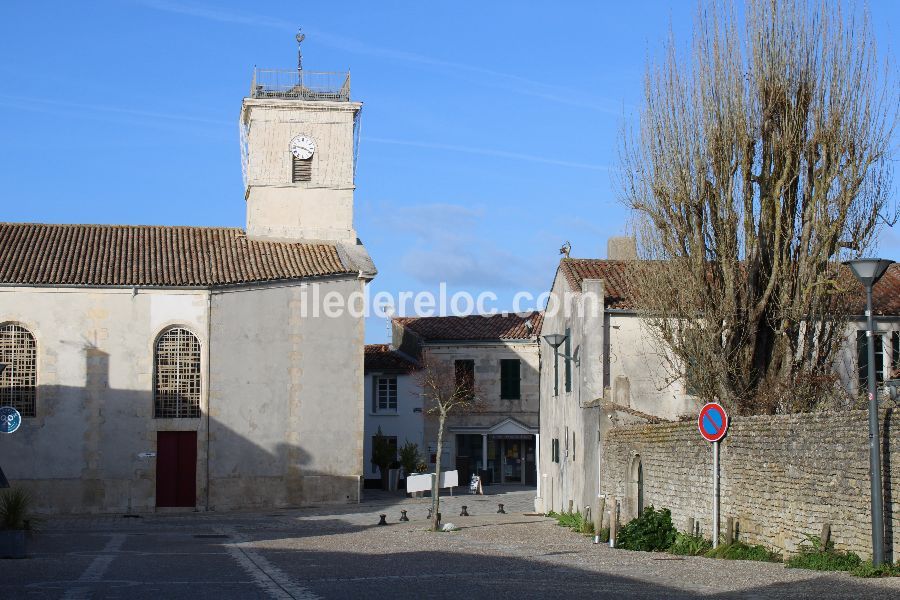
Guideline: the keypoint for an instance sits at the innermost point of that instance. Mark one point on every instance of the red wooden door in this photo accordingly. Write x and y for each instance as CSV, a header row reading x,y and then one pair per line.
x,y
176,468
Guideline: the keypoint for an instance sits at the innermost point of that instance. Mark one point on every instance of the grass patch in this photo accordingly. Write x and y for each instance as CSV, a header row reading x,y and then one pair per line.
x,y
741,551
574,520
812,554
690,545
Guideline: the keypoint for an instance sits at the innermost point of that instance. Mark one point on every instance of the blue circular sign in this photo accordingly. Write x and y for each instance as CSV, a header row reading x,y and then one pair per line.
x,y
10,419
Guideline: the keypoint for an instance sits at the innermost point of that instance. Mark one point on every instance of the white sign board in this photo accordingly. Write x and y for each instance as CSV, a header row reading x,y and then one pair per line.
x,y
418,483
422,483
449,479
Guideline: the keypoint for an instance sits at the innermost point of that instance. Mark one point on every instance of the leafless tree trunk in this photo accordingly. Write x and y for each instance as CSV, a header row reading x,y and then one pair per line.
x,y
444,391
758,166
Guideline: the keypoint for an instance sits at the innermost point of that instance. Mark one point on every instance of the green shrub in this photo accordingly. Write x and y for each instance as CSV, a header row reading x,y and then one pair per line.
x,y
690,545
741,551
604,535
15,504
651,531
867,569
811,554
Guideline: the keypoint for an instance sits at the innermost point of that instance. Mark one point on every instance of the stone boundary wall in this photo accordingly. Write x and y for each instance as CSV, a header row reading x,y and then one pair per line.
x,y
782,476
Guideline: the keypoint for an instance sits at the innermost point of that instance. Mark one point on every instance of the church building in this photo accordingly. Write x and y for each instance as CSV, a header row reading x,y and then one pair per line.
x,y
192,367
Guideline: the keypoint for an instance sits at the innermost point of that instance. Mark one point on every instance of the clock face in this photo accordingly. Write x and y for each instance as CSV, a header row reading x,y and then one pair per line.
x,y
303,146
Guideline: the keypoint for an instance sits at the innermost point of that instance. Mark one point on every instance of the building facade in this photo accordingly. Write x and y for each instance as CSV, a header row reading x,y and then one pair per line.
x,y
393,400
610,373
499,354
193,367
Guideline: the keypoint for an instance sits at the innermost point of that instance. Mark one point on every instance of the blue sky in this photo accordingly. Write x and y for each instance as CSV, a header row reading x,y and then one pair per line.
x,y
489,130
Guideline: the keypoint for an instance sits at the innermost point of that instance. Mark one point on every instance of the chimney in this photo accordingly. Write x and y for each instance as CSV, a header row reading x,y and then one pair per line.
x,y
621,248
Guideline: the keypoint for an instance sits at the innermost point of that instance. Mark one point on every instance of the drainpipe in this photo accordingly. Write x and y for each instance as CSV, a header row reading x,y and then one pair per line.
x,y
208,359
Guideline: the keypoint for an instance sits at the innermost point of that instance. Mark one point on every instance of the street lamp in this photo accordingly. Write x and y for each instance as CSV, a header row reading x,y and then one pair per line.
x,y
556,340
868,271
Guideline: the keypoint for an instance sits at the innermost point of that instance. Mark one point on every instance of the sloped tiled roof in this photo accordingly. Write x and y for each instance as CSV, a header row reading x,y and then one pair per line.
x,y
617,276
620,286
380,357
475,327
126,255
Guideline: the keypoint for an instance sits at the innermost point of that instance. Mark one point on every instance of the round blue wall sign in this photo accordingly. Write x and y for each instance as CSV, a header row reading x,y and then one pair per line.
x,y
10,419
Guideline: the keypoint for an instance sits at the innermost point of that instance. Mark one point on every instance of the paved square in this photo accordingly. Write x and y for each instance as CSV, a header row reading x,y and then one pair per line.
x,y
340,552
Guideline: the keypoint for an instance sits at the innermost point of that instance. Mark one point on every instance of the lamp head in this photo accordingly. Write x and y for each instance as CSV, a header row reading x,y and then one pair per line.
x,y
555,339
868,270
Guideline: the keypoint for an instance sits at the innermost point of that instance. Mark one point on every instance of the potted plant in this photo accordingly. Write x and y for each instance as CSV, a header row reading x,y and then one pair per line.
x,y
14,507
409,457
383,454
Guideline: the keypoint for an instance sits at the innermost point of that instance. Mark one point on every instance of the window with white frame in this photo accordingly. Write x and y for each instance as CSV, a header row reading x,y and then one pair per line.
x,y
176,385
386,394
18,381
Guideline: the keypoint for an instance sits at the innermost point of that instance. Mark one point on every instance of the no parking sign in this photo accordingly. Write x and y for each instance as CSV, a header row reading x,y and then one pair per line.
x,y
713,422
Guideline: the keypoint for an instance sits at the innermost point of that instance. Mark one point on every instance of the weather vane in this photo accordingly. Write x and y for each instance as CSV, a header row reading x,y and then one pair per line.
x,y
300,37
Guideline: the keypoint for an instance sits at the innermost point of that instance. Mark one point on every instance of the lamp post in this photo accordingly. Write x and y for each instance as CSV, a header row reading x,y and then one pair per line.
x,y
868,271
556,340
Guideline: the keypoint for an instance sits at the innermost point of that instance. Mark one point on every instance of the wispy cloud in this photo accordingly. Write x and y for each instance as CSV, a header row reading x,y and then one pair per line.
x,y
489,77
39,104
487,152
450,243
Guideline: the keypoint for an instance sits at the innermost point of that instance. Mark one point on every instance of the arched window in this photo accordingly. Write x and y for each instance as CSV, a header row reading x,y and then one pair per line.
x,y
18,381
176,384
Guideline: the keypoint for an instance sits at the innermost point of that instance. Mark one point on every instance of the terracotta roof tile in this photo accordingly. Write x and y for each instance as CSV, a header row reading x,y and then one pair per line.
x,y
621,290
476,327
380,357
617,275
127,255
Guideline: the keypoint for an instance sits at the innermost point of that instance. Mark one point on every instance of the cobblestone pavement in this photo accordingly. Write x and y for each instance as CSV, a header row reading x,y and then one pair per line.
x,y
340,552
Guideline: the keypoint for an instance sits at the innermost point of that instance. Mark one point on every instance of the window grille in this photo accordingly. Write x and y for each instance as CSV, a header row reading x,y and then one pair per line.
x,y
387,394
18,382
176,392
301,169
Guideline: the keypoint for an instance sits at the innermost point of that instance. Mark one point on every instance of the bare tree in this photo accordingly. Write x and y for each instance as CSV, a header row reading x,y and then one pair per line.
x,y
446,390
759,165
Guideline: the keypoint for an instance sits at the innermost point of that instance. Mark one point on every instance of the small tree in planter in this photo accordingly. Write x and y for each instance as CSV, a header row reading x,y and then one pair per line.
x,y
384,455
410,457
15,504
446,389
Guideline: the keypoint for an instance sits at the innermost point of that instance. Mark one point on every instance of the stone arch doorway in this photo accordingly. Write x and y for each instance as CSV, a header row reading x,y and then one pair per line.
x,y
636,485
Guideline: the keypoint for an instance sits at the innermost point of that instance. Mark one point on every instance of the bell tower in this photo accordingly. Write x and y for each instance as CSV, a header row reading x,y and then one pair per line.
x,y
299,137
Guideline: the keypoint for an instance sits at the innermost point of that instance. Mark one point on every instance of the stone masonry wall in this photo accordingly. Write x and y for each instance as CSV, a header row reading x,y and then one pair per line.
x,y
782,476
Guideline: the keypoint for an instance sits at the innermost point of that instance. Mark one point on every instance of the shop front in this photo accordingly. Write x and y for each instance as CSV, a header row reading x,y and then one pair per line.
x,y
502,454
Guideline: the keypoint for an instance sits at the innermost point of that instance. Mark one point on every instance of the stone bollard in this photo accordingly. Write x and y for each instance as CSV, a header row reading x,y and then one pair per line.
x,y
825,536
429,514
500,510
403,516
383,520
464,512
729,531
691,528
439,519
